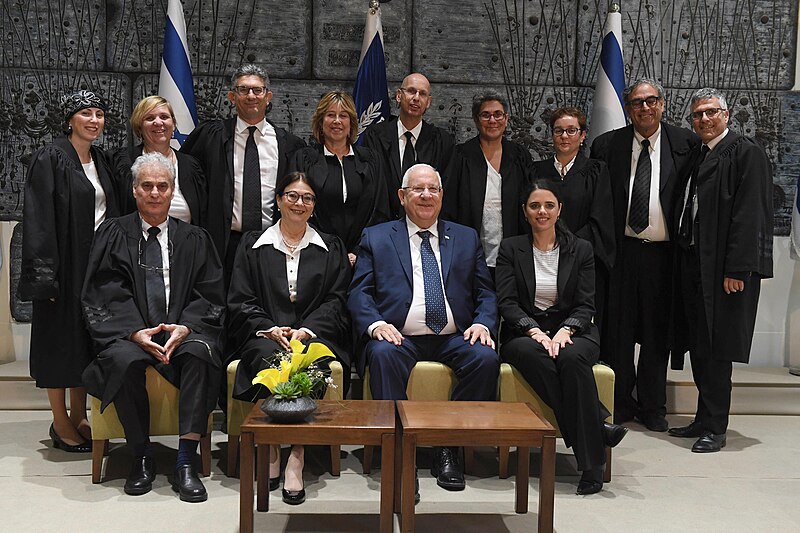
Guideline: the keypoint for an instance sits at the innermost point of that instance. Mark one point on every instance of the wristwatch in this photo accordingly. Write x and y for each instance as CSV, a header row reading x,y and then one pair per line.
x,y
570,329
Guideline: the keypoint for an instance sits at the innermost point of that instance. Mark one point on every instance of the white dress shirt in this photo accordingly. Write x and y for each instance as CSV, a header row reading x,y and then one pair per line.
x,y
267,144
166,257
492,220
99,194
657,228
563,169
401,135
178,208
272,236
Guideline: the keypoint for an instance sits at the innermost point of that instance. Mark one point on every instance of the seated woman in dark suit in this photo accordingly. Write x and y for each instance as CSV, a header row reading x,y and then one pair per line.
x,y
153,121
585,191
289,282
489,173
349,178
545,290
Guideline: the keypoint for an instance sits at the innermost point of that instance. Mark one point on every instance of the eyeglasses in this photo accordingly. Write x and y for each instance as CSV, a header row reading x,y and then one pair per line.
x,y
497,115
153,268
651,101
148,186
243,90
433,191
412,92
709,113
292,197
571,132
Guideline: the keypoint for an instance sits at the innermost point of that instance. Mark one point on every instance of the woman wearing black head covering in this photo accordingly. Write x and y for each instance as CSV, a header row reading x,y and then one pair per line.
x,y
68,193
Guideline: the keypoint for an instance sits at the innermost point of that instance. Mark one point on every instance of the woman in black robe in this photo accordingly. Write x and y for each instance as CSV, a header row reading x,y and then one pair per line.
x,y
545,293
585,191
349,178
489,173
289,282
68,193
153,121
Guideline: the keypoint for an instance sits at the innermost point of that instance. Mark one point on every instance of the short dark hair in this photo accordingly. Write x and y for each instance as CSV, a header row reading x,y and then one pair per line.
x,y
642,81
249,69
562,112
489,96
293,177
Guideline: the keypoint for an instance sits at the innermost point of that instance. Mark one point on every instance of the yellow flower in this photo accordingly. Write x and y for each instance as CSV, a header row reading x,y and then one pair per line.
x,y
270,377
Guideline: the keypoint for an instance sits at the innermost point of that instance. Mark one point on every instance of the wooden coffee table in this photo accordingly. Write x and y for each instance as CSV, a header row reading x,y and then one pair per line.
x,y
478,424
334,422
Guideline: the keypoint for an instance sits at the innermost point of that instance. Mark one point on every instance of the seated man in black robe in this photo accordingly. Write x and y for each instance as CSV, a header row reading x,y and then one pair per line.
x,y
153,296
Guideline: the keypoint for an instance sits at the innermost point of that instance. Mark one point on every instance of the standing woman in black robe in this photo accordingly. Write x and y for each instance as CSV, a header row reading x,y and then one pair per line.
x,y
585,192
349,178
153,121
490,173
68,193
289,282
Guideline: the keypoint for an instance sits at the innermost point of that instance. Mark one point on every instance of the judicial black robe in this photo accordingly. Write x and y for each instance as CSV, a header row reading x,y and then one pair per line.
x,y
191,181
733,235
212,144
57,231
468,182
434,147
258,299
366,203
115,302
587,205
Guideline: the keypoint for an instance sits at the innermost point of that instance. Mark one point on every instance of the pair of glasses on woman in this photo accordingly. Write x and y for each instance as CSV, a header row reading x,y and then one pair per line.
x,y
292,197
140,256
571,132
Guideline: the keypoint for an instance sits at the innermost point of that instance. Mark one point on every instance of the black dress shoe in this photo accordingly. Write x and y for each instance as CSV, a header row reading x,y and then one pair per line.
x,y
591,482
188,485
274,483
294,497
709,442
59,444
140,480
654,422
613,434
447,468
693,430
416,488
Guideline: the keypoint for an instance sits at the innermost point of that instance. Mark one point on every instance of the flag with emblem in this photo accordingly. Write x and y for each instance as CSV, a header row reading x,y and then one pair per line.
x,y
371,93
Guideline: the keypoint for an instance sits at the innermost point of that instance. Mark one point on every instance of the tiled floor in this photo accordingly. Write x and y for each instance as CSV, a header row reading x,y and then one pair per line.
x,y
751,486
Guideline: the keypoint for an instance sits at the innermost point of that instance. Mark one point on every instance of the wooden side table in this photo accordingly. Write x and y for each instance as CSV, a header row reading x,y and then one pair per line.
x,y
478,424
334,422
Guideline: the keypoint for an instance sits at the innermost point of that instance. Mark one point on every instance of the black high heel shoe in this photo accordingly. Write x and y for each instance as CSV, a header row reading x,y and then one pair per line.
x,y
274,483
294,497
58,443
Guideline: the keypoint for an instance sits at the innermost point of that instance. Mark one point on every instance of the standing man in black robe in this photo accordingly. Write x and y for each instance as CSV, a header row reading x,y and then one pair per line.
x,y
153,296
724,221
427,144
644,161
242,158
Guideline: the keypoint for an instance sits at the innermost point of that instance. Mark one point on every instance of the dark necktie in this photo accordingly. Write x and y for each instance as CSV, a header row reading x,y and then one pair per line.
x,y
638,219
154,279
435,311
409,154
251,185
685,228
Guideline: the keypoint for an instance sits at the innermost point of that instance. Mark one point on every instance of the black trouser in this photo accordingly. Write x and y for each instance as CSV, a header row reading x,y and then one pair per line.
x,y
133,406
566,384
643,318
711,376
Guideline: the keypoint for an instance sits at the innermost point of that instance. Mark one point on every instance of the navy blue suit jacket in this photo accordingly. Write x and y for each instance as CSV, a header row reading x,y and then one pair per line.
x,y
382,281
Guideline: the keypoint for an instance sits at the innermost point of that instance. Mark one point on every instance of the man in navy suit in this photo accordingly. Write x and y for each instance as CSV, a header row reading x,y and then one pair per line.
x,y
421,291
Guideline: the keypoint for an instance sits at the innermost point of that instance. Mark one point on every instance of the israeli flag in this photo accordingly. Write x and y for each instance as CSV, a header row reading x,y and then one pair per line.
x,y
371,93
175,82
608,111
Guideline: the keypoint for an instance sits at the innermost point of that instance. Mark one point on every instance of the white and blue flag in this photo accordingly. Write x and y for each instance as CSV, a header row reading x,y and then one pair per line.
x,y
371,93
175,82
608,111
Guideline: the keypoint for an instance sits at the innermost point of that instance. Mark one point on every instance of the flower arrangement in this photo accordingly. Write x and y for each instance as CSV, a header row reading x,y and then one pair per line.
x,y
294,374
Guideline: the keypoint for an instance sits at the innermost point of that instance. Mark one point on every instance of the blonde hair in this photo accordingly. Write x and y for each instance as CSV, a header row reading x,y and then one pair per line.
x,y
348,106
144,106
